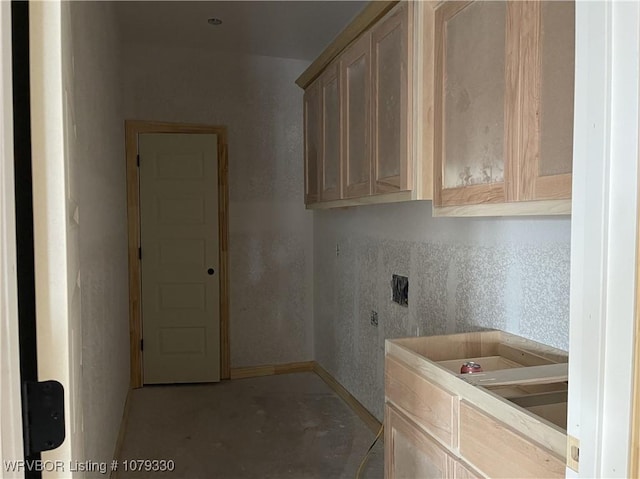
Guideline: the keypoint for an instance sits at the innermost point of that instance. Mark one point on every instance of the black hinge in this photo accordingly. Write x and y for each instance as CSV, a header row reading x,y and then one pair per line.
x,y
138,159
142,345
43,411
140,252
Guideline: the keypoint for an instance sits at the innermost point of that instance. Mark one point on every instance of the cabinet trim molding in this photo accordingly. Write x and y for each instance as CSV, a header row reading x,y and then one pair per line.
x,y
367,17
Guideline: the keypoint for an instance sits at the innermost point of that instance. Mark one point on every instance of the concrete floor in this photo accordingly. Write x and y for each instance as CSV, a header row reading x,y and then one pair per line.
x,y
289,426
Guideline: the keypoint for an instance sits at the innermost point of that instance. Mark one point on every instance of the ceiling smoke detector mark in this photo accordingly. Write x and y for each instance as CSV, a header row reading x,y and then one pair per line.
x,y
214,21
400,290
374,318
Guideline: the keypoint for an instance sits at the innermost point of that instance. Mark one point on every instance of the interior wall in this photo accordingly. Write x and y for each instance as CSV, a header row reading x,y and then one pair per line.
x,y
270,233
464,274
96,184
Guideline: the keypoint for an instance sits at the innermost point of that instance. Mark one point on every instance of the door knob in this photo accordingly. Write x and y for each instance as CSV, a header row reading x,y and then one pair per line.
x,y
210,271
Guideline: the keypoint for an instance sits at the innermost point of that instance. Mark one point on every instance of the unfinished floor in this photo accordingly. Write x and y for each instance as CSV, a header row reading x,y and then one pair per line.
x,y
288,426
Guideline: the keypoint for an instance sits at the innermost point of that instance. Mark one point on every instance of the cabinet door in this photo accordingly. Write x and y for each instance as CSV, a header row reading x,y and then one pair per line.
x,y
547,51
499,451
391,66
503,101
474,84
312,133
410,453
331,144
356,93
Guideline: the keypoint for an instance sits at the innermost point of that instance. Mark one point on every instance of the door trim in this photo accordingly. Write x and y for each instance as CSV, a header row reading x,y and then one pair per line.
x,y
133,128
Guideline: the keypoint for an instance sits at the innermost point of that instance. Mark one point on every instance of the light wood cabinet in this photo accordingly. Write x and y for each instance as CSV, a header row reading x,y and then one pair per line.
x,y
508,421
355,68
312,138
426,404
385,121
391,67
468,103
486,442
331,135
410,453
503,105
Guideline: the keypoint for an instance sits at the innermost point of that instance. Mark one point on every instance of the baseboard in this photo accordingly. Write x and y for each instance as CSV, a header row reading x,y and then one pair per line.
x,y
123,426
362,412
271,370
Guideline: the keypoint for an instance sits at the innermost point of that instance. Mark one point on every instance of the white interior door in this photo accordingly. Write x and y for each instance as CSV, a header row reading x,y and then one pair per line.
x,y
179,238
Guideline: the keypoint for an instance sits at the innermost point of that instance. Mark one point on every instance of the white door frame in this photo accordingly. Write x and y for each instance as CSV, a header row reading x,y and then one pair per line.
x,y
49,205
133,128
603,243
11,448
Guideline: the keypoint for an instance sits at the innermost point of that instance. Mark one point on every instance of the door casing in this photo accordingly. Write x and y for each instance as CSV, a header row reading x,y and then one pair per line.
x,y
133,128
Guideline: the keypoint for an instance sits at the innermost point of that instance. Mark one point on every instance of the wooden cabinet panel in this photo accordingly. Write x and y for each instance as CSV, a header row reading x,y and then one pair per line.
x,y
503,104
498,451
391,67
556,84
410,453
356,81
474,96
471,100
428,405
312,132
543,156
331,144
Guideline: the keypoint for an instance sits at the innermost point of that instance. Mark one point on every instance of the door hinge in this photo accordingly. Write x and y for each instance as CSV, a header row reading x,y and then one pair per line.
x,y
43,406
140,252
138,160
142,345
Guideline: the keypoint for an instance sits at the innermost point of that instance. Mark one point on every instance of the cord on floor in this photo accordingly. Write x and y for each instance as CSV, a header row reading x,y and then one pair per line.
x,y
366,456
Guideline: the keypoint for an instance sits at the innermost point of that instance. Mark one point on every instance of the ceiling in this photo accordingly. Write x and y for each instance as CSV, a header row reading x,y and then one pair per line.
x,y
289,29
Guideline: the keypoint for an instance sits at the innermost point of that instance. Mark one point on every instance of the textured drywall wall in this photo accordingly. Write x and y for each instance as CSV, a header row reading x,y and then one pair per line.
x,y
464,274
270,237
97,187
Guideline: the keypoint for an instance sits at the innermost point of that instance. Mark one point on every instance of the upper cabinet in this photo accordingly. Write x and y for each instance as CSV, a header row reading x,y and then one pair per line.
x,y
312,133
391,67
331,135
372,133
468,103
356,105
503,107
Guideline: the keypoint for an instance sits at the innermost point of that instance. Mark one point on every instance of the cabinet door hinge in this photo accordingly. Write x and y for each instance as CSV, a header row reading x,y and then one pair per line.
x,y
140,253
138,160
142,345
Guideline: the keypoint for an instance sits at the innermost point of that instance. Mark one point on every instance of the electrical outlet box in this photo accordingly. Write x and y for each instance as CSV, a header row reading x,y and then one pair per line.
x,y
400,290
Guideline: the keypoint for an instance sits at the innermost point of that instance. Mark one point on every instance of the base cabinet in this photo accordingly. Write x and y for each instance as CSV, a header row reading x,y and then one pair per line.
x,y
499,451
410,453
505,422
